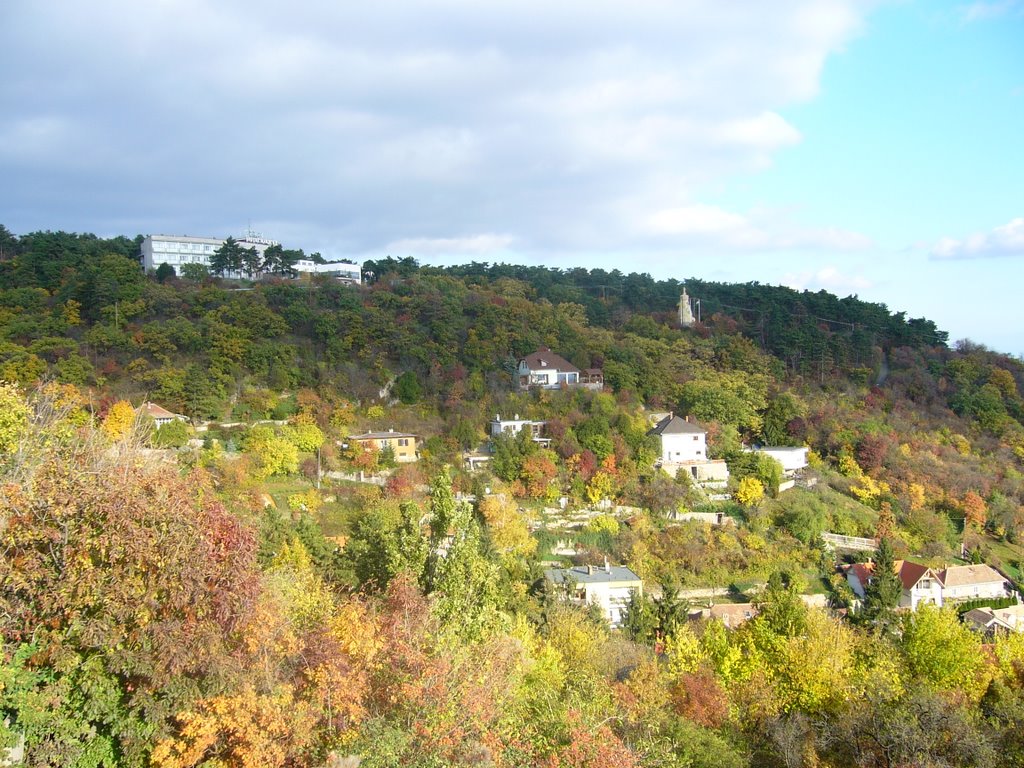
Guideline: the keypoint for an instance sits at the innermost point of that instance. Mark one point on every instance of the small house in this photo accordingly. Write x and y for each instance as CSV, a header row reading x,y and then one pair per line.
x,y
402,444
609,587
158,414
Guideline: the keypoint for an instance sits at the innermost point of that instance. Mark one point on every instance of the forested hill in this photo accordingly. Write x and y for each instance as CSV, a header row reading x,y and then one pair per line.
x,y
798,327
273,587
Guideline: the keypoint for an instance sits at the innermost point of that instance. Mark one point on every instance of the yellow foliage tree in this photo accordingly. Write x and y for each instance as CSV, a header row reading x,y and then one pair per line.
x,y
509,533
14,416
119,420
248,730
749,492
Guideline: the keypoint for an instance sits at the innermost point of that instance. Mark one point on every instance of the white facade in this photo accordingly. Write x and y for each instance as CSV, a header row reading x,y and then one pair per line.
x,y
514,426
684,447
178,250
792,459
608,587
921,584
341,271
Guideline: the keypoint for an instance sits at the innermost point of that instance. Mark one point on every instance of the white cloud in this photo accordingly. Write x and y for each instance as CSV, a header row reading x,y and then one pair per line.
x,y
1005,240
563,124
476,245
711,225
827,278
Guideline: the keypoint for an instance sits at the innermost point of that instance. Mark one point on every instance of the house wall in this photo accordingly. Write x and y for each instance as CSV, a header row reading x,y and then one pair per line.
x,y
928,590
683,448
975,591
404,448
612,597
791,459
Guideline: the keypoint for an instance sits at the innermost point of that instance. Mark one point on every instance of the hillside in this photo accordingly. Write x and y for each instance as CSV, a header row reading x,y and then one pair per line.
x,y
311,589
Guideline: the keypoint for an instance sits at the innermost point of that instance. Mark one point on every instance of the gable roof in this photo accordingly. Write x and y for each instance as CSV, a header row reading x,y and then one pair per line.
x,y
674,425
155,411
911,573
863,572
967,575
545,359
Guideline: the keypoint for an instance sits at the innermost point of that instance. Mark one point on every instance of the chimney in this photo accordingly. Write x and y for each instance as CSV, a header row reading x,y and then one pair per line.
x,y
590,570
607,566
687,418
391,429
516,418
497,417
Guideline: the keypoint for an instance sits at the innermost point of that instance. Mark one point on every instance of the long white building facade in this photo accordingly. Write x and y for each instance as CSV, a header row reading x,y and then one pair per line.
x,y
178,250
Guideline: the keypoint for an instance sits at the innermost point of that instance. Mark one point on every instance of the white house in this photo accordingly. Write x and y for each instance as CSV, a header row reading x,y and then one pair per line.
x,y
972,582
684,445
547,370
515,425
158,414
922,584
792,459
341,271
608,587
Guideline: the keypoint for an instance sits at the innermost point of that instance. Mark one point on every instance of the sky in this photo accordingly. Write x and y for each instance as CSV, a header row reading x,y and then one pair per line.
x,y
858,146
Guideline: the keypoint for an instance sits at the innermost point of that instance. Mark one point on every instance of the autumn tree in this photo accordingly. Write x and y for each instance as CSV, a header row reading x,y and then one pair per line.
x,y
115,595
119,421
975,510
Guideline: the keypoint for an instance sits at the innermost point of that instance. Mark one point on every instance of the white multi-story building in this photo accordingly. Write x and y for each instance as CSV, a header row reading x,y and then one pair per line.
x,y
684,446
178,250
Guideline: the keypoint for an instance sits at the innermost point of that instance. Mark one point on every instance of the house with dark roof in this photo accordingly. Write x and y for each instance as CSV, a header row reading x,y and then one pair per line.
x,y
547,370
609,587
683,445
994,621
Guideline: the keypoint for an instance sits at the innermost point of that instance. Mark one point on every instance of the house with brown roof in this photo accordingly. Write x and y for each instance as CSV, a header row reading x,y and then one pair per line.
x,y
547,370
922,584
158,414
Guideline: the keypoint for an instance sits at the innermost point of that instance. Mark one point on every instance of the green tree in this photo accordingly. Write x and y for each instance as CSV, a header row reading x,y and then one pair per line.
x,y
882,595
197,273
227,258
408,389
464,580
385,542
164,272
942,653
173,434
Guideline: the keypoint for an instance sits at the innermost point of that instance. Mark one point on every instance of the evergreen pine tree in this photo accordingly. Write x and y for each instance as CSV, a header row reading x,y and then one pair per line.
x,y
882,594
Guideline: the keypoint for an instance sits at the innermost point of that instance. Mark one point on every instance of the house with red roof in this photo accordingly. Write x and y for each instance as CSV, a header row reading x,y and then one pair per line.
x,y
922,584
546,370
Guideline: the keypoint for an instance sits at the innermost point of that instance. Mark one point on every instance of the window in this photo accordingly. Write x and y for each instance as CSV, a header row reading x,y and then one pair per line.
x,y
403,442
696,438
